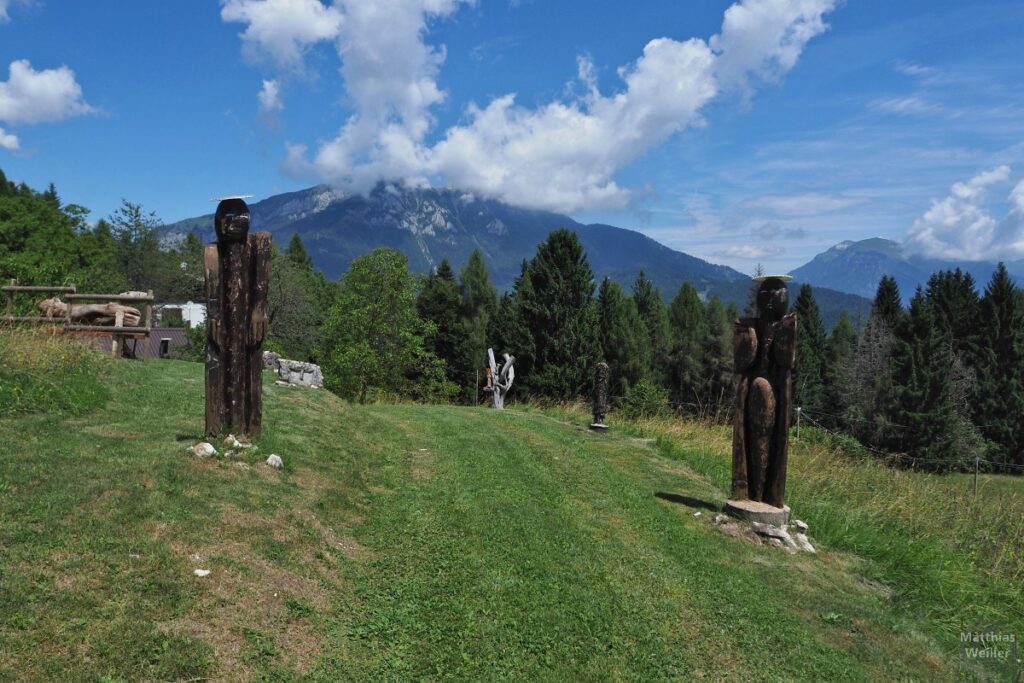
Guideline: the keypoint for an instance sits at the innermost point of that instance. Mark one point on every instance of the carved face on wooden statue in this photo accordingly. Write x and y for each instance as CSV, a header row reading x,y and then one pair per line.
x,y
232,220
772,299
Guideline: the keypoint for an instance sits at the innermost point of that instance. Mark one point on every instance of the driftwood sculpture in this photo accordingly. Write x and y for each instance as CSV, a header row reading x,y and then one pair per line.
x,y
764,352
600,397
499,381
237,280
91,314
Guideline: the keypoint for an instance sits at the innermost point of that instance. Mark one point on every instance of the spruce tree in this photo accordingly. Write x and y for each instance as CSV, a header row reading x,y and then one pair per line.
x,y
999,402
654,316
838,362
955,301
439,305
478,306
689,330
554,301
620,333
922,412
888,306
718,385
297,254
808,375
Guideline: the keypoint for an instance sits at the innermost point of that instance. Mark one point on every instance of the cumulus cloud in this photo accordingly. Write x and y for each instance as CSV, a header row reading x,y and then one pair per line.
x,y
29,96
270,97
9,141
561,155
960,226
282,30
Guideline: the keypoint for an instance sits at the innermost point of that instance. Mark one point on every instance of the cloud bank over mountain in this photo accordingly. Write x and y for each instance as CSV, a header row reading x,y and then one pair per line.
x,y
961,225
562,155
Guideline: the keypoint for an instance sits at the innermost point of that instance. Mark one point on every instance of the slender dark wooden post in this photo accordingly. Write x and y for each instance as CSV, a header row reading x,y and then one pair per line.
x,y
600,397
237,282
10,299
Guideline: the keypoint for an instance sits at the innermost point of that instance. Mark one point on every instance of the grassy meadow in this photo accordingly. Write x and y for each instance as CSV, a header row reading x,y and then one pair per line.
x,y
414,542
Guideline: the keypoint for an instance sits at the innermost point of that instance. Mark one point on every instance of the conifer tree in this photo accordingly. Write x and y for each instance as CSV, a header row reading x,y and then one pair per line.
x,y
439,305
478,306
654,316
689,330
553,300
922,396
888,306
999,402
718,382
808,375
838,361
296,252
620,333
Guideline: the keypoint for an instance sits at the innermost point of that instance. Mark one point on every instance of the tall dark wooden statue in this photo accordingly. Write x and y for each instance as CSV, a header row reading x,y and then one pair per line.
x,y
237,280
600,397
764,353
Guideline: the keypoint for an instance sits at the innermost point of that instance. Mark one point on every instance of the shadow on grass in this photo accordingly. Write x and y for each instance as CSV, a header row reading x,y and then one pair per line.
x,y
689,502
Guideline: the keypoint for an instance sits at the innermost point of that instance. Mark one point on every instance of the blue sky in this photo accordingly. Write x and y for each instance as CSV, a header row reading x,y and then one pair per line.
x,y
757,131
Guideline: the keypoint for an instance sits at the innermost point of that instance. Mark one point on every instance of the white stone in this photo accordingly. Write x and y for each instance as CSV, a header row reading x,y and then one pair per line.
x,y
275,461
203,450
299,373
803,543
697,514
800,526
201,572
721,519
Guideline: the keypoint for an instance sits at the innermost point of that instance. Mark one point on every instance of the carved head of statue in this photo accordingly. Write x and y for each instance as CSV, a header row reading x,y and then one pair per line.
x,y
772,298
231,220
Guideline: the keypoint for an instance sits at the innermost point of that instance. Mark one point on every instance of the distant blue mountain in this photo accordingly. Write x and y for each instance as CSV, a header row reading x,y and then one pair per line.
x,y
857,268
428,225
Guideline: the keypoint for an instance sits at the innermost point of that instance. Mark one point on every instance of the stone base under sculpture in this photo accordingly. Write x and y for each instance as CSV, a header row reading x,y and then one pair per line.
x,y
755,511
599,427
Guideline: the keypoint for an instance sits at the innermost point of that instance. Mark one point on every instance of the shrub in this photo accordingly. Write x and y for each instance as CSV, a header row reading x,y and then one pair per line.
x,y
43,371
196,349
644,399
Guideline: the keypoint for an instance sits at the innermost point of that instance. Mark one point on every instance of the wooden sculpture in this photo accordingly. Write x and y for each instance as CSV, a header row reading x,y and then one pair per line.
x,y
499,381
237,280
764,352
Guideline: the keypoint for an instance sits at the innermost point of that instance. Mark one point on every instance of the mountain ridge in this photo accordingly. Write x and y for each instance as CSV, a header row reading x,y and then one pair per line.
x,y
856,267
428,225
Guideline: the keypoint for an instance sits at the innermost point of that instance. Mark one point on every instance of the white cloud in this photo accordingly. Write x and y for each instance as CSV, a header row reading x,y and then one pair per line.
x,y
904,105
764,38
270,97
29,96
5,6
282,30
561,155
912,69
807,204
960,226
750,252
9,141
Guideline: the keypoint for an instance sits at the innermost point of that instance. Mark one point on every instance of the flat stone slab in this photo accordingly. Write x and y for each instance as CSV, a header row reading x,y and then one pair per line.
x,y
598,427
755,511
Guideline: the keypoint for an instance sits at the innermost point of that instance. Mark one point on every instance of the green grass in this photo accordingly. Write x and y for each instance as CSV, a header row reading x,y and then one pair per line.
x,y
42,371
410,542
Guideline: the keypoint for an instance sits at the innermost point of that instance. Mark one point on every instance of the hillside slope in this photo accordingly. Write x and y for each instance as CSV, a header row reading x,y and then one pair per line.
x,y
416,542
